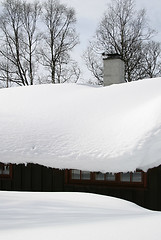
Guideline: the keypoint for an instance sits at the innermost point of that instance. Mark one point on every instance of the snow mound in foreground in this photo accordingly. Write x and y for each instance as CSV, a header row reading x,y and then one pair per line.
x,y
108,129
73,216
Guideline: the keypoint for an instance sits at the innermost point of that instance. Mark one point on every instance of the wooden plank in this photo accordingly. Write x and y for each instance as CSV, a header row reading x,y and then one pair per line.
x,y
151,195
58,180
159,189
16,176
6,184
26,177
138,197
36,177
47,179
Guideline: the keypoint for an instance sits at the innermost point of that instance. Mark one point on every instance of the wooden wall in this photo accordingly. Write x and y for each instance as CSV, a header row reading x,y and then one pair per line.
x,y
34,177
148,197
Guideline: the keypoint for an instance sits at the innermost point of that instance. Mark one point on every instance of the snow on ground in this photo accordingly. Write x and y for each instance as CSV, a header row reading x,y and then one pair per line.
x,y
73,216
108,129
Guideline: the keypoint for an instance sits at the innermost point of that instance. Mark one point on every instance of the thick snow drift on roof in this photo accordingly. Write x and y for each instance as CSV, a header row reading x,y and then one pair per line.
x,y
115,128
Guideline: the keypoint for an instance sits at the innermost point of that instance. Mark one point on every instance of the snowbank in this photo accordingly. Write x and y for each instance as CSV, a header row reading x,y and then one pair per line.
x,y
73,216
108,129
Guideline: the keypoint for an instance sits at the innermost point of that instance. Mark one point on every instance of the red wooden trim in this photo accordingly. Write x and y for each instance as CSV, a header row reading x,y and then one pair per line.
x,y
116,183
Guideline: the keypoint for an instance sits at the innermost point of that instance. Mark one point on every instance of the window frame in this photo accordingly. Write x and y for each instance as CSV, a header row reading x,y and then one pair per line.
x,y
105,182
81,179
3,175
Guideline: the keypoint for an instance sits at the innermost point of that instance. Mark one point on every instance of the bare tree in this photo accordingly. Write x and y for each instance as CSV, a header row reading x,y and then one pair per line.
x,y
6,70
59,38
20,51
93,59
69,72
18,41
31,38
125,31
151,66
10,24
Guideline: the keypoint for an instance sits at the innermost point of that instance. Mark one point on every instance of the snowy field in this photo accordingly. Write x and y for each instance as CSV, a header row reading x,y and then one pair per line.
x,y
61,216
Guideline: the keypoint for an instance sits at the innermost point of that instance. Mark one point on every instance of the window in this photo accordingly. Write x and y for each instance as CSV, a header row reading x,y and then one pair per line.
x,y
80,175
99,176
137,178
104,177
110,177
75,174
5,170
85,175
125,177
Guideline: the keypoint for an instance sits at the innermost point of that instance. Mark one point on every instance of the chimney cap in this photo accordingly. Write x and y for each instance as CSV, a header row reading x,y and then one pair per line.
x,y
111,56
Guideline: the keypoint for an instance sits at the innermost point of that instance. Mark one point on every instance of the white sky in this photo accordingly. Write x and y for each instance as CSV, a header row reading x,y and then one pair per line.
x,y
90,12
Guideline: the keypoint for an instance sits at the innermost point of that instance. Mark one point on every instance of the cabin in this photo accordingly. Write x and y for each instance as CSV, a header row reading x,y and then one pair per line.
x,y
142,188
77,138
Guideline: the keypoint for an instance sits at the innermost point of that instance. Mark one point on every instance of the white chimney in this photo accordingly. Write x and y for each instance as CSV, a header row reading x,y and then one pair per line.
x,y
114,69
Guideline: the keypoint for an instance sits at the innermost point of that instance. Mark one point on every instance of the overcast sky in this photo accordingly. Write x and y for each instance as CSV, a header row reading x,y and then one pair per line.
x,y
90,12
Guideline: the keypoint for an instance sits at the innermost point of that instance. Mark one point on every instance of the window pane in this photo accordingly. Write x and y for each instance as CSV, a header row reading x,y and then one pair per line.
x,y
1,168
75,174
6,170
110,177
125,177
99,176
137,177
85,175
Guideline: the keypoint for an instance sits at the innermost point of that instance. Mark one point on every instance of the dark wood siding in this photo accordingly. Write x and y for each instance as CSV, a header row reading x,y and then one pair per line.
x,y
148,197
153,194
34,177
58,181
26,177
17,177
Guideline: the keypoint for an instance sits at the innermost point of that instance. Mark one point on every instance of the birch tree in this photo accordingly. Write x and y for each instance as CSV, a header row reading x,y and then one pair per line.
x,y
18,40
59,39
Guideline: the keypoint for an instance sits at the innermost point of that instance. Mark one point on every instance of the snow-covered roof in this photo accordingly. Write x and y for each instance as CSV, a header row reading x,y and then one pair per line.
x,y
108,129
